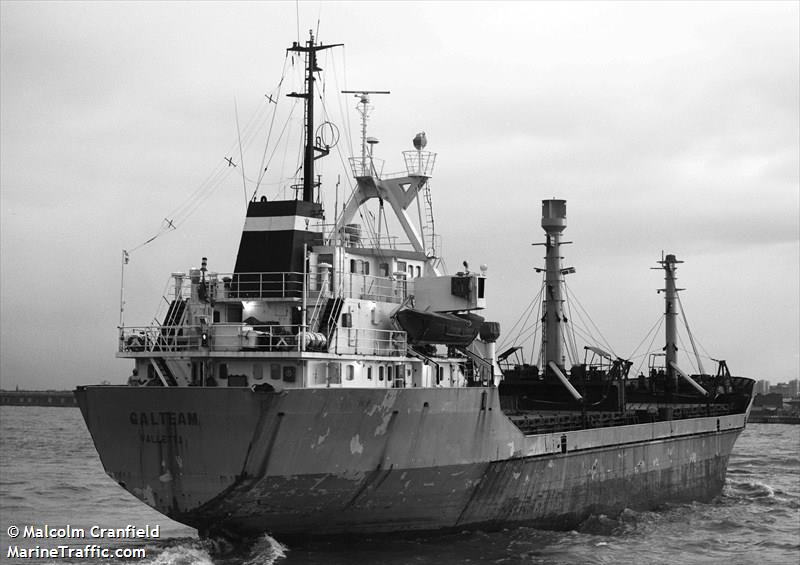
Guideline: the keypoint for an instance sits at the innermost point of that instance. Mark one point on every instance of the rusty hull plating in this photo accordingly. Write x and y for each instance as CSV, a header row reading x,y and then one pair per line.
x,y
328,461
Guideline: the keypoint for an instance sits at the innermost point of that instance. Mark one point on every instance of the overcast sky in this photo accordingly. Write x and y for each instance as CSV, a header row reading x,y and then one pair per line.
x,y
666,126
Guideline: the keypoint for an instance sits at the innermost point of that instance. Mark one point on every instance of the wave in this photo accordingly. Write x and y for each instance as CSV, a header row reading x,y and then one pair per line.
x,y
622,524
752,489
263,550
182,555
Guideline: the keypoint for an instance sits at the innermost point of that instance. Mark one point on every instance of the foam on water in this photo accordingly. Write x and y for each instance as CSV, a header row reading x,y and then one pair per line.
x,y
182,555
751,489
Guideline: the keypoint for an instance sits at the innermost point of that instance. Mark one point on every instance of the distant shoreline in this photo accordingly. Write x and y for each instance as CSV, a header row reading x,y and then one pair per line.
x,y
57,398
773,419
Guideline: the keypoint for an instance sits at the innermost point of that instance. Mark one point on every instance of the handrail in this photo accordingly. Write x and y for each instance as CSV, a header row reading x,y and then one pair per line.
x,y
244,337
278,285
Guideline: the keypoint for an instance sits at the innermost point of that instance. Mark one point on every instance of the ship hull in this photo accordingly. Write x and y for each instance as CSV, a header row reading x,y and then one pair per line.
x,y
332,461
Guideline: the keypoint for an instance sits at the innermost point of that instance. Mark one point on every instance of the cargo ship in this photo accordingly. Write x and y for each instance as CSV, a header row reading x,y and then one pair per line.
x,y
339,381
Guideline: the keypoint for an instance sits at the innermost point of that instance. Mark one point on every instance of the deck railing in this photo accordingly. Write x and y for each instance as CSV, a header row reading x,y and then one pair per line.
x,y
266,338
221,287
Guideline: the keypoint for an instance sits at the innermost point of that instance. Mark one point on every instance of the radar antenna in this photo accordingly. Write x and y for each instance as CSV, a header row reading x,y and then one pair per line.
x,y
364,109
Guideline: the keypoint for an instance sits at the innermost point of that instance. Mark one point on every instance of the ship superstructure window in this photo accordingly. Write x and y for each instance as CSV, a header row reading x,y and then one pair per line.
x,y
275,371
258,371
233,313
383,268
335,373
389,373
401,265
380,373
289,373
350,373
319,375
369,373
197,373
359,267
222,371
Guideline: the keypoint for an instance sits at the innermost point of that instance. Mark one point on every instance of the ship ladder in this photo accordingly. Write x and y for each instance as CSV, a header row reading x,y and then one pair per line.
x,y
425,359
330,317
163,371
478,360
316,320
175,318
429,224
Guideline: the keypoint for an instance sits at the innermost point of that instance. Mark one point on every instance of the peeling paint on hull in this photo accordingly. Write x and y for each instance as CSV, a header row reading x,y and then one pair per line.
x,y
328,461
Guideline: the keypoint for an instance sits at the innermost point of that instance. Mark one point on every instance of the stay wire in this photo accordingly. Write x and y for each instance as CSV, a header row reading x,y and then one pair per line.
x,y
526,314
591,321
650,347
277,91
659,321
689,332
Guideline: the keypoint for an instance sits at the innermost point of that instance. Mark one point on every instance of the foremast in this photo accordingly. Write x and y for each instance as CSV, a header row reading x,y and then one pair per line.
x,y
669,266
554,222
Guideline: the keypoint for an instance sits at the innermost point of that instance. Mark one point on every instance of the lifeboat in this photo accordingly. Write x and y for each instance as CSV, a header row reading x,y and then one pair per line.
x,y
429,328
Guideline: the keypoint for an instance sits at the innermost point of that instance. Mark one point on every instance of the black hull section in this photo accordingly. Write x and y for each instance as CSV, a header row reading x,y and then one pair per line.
x,y
325,461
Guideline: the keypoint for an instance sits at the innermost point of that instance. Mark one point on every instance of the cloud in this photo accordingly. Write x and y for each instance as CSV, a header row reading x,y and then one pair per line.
x,y
665,126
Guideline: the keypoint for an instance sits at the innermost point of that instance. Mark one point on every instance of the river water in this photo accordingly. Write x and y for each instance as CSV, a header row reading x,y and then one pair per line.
x,y
51,475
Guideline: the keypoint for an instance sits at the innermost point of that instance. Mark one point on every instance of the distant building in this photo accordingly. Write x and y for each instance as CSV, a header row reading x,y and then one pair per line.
x,y
762,387
771,401
784,389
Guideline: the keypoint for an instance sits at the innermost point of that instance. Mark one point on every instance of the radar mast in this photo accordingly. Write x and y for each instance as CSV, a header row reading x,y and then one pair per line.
x,y
310,49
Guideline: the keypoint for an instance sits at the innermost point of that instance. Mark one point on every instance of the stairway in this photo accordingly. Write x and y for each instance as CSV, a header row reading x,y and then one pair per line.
x,y
328,322
163,371
429,225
